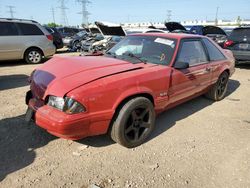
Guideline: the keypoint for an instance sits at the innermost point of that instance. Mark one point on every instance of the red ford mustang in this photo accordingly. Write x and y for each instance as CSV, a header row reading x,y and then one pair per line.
x,y
121,91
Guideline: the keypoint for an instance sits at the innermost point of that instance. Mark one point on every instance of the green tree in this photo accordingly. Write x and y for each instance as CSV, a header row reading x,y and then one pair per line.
x,y
52,24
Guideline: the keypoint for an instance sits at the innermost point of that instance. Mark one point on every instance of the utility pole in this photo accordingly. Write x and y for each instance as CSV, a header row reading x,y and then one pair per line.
x,y
85,14
11,11
53,14
64,20
216,16
169,15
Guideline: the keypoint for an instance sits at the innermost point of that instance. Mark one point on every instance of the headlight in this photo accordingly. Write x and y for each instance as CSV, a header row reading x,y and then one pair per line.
x,y
31,76
67,105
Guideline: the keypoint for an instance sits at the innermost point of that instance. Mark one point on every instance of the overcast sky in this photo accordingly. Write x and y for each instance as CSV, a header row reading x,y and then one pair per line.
x,y
120,11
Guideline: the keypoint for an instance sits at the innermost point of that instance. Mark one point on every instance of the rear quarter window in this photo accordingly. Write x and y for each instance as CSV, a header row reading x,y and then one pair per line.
x,y
8,29
29,29
214,53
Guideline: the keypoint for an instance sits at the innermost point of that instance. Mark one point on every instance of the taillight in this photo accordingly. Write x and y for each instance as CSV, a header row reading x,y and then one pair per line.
x,y
50,37
228,43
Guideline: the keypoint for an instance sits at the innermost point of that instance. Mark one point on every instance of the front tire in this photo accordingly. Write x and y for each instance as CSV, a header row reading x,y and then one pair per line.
x,y
134,122
33,56
219,89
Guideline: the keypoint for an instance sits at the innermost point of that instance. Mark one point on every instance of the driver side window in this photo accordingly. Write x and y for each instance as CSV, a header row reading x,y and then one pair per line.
x,y
192,52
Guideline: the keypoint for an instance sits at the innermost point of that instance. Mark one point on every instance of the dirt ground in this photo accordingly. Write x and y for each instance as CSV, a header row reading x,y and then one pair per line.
x,y
197,144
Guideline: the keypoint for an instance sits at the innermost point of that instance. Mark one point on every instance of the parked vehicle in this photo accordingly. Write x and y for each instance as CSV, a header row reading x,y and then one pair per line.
x,y
67,31
57,38
86,45
24,39
74,42
105,44
215,33
239,43
112,34
122,91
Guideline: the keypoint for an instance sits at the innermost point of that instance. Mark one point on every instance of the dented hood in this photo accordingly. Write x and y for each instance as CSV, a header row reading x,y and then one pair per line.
x,y
110,29
62,74
171,26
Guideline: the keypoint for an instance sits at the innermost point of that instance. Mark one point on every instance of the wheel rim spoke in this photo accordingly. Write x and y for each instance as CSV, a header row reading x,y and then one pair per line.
x,y
145,125
129,129
144,113
222,82
136,134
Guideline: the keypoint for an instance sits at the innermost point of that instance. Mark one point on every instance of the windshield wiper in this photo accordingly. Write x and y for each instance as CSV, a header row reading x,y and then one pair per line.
x,y
111,53
136,57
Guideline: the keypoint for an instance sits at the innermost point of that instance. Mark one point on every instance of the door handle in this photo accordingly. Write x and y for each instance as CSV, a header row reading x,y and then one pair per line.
x,y
208,69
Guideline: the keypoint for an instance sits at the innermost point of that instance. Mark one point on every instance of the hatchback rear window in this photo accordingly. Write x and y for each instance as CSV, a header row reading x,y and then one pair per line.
x,y
29,29
240,33
8,29
214,53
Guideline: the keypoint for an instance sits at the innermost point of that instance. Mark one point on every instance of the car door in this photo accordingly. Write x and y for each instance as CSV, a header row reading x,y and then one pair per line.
x,y
189,81
9,41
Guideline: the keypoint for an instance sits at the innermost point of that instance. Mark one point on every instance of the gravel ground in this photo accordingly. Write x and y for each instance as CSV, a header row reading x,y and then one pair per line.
x,y
197,144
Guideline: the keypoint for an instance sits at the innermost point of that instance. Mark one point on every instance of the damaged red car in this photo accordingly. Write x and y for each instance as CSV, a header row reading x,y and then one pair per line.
x,y
121,91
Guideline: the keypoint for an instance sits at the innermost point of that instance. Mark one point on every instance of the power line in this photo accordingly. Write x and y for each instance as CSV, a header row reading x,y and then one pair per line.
x,y
85,14
11,11
64,19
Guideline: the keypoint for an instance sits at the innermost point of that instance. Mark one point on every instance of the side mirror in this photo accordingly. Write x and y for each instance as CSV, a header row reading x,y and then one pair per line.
x,y
181,65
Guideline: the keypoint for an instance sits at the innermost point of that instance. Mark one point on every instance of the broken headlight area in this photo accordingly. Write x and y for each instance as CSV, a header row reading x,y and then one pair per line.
x,y
67,105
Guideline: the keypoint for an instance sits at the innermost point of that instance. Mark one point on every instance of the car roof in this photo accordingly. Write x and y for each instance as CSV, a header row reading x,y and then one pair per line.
x,y
242,27
18,20
170,35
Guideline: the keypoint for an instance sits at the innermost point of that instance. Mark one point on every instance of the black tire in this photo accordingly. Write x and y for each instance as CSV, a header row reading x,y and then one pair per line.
x,y
33,56
218,91
134,122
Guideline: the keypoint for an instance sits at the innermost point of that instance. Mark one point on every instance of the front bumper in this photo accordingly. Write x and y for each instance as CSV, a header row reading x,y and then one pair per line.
x,y
73,127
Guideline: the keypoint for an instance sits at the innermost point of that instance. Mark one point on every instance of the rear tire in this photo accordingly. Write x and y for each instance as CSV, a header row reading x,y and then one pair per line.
x,y
134,122
33,56
219,89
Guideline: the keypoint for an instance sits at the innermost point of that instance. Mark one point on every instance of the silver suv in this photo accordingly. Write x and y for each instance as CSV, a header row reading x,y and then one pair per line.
x,y
24,39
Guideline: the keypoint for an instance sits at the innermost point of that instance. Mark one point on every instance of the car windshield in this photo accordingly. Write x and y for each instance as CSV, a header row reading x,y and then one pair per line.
x,y
148,49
